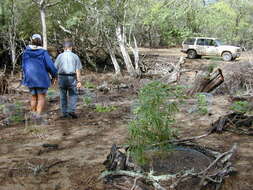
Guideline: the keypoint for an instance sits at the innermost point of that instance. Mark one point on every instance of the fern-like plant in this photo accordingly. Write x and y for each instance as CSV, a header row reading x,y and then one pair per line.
x,y
154,117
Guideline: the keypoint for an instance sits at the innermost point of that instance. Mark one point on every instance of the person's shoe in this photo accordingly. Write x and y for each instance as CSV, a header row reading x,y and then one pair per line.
x,y
64,116
73,115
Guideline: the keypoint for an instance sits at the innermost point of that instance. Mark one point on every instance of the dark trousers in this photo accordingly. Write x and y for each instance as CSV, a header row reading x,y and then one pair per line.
x,y
68,93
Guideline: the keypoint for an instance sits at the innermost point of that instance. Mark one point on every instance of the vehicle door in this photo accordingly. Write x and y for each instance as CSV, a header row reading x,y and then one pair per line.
x,y
211,47
201,46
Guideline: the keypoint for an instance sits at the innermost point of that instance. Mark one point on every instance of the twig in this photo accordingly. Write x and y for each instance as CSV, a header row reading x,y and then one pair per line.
x,y
54,164
135,181
226,156
119,187
184,140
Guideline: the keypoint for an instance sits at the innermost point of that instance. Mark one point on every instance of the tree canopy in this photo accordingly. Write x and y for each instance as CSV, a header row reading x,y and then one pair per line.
x,y
92,24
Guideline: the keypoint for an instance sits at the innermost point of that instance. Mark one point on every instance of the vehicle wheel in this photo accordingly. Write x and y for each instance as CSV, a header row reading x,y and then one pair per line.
x,y
226,56
199,56
191,54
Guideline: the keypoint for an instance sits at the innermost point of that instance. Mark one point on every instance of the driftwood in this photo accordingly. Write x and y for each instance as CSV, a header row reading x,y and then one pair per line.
x,y
206,81
165,68
206,176
235,122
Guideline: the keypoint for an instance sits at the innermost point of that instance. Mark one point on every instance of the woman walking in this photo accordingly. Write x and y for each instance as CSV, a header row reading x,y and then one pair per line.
x,y
37,65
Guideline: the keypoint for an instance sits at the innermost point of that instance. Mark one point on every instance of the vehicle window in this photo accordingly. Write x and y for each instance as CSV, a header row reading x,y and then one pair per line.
x,y
201,42
210,42
219,43
189,41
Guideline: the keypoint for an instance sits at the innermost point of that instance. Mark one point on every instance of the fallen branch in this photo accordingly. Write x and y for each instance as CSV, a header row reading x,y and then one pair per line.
x,y
183,140
226,156
203,175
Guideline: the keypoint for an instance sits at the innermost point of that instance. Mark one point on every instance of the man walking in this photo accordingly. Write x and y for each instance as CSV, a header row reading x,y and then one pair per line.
x,y
69,68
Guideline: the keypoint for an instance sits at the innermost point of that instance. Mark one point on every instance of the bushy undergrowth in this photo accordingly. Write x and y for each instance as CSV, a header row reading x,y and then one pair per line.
x,y
240,106
154,118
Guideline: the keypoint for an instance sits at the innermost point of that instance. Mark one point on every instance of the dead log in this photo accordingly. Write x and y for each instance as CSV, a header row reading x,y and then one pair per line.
x,y
207,175
247,97
206,81
4,84
175,73
165,68
235,122
116,160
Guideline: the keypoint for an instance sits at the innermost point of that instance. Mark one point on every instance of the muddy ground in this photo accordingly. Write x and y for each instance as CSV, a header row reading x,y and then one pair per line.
x,y
84,143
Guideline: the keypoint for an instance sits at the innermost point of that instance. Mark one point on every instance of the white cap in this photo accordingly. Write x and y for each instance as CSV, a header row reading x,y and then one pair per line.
x,y
36,36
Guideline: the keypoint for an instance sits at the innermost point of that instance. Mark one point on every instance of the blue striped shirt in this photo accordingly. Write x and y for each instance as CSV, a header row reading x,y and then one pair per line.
x,y
67,62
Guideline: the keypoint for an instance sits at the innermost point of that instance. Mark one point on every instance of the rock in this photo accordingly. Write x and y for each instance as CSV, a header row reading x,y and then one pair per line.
x,y
9,109
104,88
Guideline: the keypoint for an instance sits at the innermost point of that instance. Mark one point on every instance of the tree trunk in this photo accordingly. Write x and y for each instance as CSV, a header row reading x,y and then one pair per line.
x,y
124,52
43,25
3,13
113,58
12,36
136,56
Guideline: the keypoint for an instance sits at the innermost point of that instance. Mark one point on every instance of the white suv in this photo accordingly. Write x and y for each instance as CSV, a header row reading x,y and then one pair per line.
x,y
196,47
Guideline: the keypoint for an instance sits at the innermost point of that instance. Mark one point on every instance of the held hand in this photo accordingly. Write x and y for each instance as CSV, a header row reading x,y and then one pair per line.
x,y
54,82
79,84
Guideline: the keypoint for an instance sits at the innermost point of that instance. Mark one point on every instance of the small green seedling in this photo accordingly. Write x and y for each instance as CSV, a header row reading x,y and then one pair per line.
x,y
89,84
87,100
202,104
104,109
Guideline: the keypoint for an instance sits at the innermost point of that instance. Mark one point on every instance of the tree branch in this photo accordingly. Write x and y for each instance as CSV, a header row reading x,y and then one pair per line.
x,y
63,28
183,175
53,4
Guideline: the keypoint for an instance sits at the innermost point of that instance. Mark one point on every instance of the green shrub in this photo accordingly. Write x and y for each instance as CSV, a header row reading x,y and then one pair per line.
x,y
87,100
89,84
202,104
18,114
154,117
240,106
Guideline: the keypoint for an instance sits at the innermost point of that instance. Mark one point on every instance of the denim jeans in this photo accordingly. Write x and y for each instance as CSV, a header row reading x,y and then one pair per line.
x,y
68,93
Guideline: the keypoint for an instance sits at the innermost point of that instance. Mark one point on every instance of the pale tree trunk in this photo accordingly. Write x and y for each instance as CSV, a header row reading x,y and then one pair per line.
x,y
12,36
123,49
136,56
13,57
43,25
3,13
113,58
43,5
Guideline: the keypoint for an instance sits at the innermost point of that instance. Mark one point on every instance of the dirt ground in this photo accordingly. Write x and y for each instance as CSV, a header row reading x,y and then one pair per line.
x,y
83,143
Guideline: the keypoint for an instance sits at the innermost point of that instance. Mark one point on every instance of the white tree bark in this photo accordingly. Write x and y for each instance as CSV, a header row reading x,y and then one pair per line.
x,y
123,49
136,56
43,5
43,25
113,58
12,36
